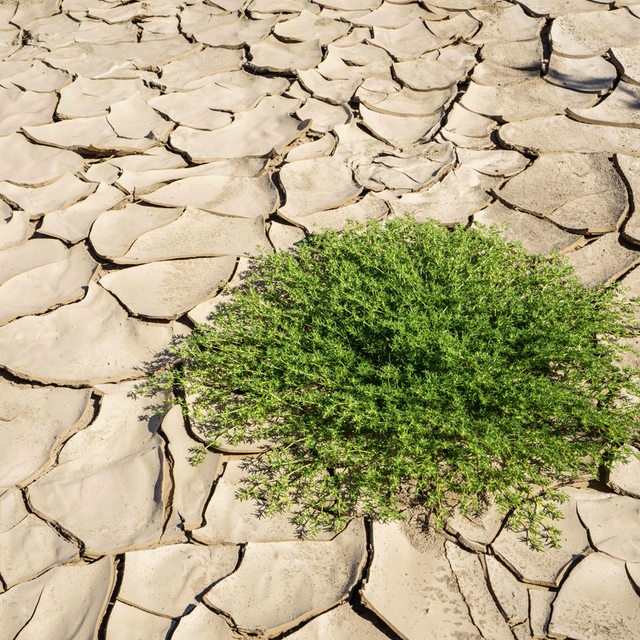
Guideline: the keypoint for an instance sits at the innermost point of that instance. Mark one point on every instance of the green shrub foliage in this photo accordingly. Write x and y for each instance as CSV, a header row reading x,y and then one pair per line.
x,y
407,364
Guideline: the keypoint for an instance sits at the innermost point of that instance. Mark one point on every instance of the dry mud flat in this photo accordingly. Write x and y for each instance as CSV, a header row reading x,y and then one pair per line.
x,y
146,150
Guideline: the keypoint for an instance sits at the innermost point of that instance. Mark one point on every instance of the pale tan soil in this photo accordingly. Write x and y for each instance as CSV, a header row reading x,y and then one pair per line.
x,y
138,147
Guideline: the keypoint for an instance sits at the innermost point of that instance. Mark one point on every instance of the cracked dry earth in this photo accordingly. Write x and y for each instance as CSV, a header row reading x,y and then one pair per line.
x,y
146,150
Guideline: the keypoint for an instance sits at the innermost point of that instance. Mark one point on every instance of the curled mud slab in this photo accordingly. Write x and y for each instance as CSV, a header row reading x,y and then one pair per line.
x,y
146,150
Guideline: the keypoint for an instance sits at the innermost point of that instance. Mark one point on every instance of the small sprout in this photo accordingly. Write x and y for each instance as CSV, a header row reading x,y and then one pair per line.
x,y
198,454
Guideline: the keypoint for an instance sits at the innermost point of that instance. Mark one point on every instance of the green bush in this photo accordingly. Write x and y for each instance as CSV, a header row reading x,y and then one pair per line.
x,y
406,364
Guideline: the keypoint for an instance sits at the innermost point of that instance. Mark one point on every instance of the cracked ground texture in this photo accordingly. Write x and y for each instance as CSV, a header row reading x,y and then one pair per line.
x,y
147,150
